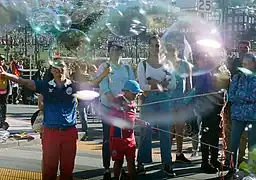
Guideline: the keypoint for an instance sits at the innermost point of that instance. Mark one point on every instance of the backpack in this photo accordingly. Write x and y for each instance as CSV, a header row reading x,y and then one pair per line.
x,y
144,65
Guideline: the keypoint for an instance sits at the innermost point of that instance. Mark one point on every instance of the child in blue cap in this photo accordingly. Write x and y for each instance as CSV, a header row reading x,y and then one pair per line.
x,y
122,140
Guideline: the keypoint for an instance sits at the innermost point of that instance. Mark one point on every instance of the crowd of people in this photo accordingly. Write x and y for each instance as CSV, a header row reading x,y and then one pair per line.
x,y
224,109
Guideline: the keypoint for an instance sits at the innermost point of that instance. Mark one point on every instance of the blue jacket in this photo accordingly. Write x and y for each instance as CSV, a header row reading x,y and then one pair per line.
x,y
203,83
242,95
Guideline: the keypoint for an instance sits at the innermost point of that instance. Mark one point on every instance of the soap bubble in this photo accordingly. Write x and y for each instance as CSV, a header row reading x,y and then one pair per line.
x,y
72,43
79,16
127,19
62,22
24,6
41,20
197,42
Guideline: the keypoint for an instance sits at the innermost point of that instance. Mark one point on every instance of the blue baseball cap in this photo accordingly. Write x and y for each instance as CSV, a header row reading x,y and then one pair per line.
x,y
132,86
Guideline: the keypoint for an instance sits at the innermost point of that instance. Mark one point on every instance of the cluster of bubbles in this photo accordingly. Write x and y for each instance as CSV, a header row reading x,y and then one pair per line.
x,y
56,17
199,42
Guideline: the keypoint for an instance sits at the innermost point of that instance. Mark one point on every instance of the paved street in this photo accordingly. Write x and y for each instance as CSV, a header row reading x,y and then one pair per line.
x,y
25,155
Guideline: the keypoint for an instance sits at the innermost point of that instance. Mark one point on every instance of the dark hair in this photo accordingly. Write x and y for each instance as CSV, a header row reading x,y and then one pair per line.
x,y
154,37
114,43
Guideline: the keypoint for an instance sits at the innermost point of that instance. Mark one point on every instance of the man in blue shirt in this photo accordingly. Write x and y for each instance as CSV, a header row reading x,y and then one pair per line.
x,y
110,87
59,132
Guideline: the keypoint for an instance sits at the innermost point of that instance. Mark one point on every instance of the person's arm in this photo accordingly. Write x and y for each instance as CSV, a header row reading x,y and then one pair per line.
x,y
100,78
233,98
40,102
171,83
105,89
101,68
189,82
26,82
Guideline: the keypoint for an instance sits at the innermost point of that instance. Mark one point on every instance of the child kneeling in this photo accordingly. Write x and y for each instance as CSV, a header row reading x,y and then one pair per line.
x,y
122,138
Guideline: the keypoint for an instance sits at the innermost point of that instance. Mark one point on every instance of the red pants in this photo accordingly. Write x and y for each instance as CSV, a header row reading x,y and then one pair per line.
x,y
59,147
120,147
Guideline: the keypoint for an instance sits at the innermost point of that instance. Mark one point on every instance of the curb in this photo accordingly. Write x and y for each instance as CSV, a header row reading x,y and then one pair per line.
x,y
10,143
17,143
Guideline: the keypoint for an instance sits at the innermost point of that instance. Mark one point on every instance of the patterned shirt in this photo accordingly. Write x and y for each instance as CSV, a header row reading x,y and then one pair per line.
x,y
242,95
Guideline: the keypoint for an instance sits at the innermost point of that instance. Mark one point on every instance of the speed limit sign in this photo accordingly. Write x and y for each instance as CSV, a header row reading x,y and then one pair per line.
x,y
204,5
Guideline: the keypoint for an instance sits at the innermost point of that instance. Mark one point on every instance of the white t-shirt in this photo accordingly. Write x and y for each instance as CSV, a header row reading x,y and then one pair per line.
x,y
155,73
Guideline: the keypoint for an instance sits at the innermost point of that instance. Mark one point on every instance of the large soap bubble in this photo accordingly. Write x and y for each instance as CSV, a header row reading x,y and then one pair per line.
x,y
62,22
41,20
127,19
72,43
198,42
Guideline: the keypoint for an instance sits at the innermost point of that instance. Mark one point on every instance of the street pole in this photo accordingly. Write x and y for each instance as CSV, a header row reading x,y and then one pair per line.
x,y
7,46
25,43
35,49
136,50
224,9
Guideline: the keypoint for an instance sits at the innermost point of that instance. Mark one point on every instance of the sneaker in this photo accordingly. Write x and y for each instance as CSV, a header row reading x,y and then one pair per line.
x,y
85,137
168,170
209,169
107,175
141,169
182,158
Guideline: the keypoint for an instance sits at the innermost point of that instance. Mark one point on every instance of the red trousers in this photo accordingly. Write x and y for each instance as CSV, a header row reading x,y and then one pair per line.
x,y
59,148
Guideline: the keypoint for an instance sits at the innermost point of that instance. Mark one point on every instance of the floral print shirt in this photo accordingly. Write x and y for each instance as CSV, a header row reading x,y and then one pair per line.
x,y
242,95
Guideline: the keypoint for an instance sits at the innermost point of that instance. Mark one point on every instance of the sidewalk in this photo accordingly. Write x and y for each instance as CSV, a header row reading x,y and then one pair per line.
x,y
26,156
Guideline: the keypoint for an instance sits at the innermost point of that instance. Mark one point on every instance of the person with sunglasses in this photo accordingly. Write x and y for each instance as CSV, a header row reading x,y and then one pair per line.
x,y
157,80
109,88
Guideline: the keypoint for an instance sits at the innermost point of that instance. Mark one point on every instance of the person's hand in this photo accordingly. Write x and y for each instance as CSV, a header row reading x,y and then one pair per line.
x,y
2,71
153,83
107,70
165,83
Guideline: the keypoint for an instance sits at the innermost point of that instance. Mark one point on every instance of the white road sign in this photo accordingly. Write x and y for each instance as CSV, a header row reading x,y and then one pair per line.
x,y
204,5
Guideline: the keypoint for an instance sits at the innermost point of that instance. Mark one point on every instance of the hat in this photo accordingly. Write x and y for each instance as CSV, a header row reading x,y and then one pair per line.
x,y
132,86
2,57
57,63
114,43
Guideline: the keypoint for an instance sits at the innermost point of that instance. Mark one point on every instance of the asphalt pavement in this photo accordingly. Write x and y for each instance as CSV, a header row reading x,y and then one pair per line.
x,y
24,155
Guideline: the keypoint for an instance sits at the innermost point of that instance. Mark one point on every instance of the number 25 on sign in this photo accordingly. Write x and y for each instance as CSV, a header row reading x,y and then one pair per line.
x,y
204,5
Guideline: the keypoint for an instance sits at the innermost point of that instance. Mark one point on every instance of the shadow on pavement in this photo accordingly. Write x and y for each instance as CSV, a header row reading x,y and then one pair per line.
x,y
153,173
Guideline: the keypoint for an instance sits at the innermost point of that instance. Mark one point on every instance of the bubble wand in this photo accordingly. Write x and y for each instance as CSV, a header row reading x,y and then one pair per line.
x,y
182,98
145,124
